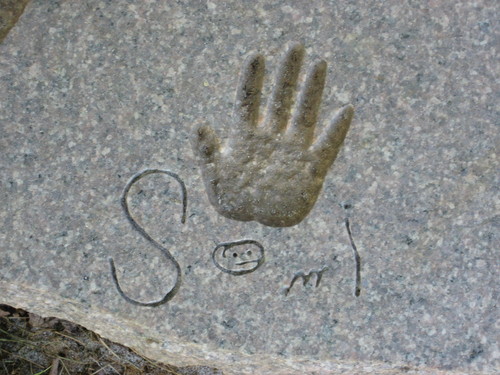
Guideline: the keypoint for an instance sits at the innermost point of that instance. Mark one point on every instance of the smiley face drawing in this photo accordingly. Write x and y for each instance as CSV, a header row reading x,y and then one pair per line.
x,y
238,257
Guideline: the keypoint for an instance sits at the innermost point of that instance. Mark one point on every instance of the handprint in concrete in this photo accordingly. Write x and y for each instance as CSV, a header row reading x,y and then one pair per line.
x,y
272,171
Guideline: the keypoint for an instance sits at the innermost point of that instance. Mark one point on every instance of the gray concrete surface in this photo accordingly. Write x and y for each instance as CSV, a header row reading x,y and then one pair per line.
x,y
93,92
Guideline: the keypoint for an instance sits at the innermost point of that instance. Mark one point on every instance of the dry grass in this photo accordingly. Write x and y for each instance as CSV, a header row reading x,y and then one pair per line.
x,y
30,344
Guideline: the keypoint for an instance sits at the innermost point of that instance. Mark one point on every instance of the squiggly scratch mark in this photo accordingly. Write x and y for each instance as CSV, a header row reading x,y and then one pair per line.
x,y
305,278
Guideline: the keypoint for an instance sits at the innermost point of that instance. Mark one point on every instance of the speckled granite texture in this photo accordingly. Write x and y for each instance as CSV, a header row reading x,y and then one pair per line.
x,y
93,92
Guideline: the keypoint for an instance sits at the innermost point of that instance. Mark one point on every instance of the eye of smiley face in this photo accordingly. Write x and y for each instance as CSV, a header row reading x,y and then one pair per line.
x,y
238,257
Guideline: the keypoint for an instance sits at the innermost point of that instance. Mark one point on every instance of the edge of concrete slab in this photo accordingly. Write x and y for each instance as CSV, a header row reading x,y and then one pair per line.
x,y
172,351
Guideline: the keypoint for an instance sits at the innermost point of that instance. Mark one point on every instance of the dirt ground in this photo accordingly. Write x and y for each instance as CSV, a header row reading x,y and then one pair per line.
x,y
30,344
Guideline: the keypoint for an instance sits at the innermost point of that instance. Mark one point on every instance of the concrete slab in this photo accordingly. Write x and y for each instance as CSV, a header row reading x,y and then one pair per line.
x,y
92,93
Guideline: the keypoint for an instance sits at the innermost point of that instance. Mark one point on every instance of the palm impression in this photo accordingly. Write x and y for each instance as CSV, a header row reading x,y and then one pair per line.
x,y
272,171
